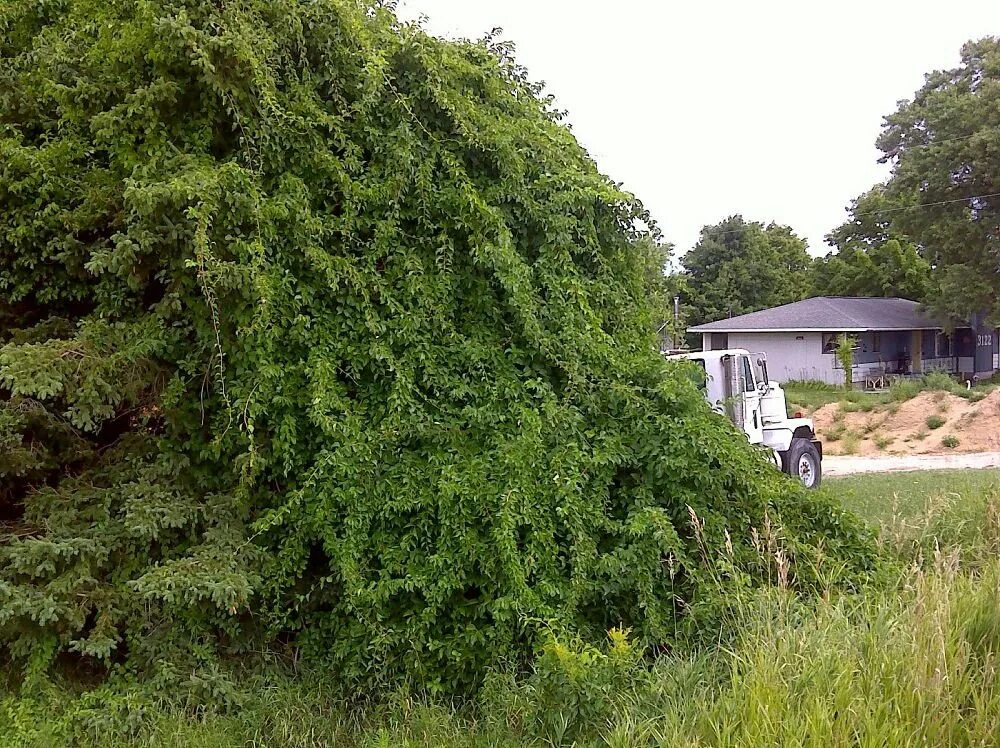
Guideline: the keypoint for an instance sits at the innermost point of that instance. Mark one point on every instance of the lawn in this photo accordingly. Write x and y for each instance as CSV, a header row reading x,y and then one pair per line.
x,y
808,397
881,498
911,661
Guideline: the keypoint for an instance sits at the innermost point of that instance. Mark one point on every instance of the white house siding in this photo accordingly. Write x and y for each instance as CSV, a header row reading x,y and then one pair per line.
x,y
791,355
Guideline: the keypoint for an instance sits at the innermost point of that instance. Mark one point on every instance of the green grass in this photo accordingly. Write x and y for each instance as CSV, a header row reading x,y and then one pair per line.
x,y
808,400
808,396
910,662
951,510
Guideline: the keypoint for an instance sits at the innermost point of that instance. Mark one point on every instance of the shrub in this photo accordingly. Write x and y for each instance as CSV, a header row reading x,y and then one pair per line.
x,y
883,441
845,355
934,422
318,329
904,389
871,425
939,380
850,443
950,441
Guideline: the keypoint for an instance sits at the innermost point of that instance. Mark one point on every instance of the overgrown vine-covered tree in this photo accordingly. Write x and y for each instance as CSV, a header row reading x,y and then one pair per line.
x,y
315,327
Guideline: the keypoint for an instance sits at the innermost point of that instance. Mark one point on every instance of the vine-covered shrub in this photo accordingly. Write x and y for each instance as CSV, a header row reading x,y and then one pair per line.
x,y
318,328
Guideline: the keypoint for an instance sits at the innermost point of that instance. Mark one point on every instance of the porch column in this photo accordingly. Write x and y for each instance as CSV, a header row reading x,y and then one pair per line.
x,y
916,358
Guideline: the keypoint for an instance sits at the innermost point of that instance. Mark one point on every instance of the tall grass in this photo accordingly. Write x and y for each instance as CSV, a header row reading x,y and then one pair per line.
x,y
906,389
913,662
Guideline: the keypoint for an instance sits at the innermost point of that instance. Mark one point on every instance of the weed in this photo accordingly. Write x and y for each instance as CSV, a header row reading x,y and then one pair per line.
x,y
883,441
950,441
904,389
850,443
934,422
872,425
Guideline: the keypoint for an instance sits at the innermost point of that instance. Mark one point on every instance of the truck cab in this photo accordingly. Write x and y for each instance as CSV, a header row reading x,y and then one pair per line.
x,y
737,386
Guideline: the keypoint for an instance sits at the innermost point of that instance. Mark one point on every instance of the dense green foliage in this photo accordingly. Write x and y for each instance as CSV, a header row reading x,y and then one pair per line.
x,y
872,258
943,149
913,663
318,329
739,267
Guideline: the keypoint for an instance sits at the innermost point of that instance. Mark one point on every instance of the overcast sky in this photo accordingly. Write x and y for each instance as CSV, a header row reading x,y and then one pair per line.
x,y
705,109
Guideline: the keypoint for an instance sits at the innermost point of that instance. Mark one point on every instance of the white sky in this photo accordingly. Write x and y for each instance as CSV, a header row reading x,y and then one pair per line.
x,y
704,109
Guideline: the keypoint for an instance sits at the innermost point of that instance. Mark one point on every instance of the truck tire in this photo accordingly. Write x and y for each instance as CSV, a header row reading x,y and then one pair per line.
x,y
802,461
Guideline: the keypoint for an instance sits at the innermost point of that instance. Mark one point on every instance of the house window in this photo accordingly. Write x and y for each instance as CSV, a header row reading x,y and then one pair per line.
x,y
876,342
942,346
830,340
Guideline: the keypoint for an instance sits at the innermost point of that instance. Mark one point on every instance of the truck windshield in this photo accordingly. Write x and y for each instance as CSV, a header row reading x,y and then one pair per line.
x,y
698,374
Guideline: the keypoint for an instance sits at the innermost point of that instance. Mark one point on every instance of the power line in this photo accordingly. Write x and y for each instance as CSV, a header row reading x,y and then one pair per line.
x,y
927,205
904,145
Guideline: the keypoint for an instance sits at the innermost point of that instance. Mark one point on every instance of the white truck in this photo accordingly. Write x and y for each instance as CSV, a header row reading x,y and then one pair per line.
x,y
737,386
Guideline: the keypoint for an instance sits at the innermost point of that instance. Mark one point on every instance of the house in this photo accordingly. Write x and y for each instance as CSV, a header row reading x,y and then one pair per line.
x,y
892,336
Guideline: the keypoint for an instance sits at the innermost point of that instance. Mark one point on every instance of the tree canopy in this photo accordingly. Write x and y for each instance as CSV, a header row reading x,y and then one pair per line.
x,y
739,267
943,147
872,257
318,329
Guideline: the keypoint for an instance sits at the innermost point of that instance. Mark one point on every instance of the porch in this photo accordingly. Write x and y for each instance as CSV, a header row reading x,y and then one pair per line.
x,y
883,356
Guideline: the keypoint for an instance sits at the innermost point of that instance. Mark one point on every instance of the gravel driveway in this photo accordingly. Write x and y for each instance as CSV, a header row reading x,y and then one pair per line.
x,y
843,465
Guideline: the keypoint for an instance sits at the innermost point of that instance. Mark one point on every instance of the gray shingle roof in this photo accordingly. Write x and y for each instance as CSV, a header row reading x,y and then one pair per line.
x,y
831,313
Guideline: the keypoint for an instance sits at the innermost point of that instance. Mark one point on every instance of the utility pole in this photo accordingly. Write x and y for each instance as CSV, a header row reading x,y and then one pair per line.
x,y
677,313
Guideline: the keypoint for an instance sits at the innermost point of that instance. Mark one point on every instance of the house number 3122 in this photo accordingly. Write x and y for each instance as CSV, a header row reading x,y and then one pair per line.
x,y
983,341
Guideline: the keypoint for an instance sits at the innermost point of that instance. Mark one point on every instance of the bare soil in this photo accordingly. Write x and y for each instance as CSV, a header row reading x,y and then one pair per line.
x,y
902,429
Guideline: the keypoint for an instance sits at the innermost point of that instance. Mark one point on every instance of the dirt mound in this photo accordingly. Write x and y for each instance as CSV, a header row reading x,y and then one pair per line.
x,y
902,428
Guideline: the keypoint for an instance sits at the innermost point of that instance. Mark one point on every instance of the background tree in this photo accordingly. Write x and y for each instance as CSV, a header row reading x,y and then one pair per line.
x,y
738,267
943,146
664,283
872,257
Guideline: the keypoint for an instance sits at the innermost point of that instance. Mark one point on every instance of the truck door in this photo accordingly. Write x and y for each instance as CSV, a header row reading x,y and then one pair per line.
x,y
742,397
753,424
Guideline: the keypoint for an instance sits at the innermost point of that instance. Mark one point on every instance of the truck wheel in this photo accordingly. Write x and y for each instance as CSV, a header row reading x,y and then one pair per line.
x,y
803,462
